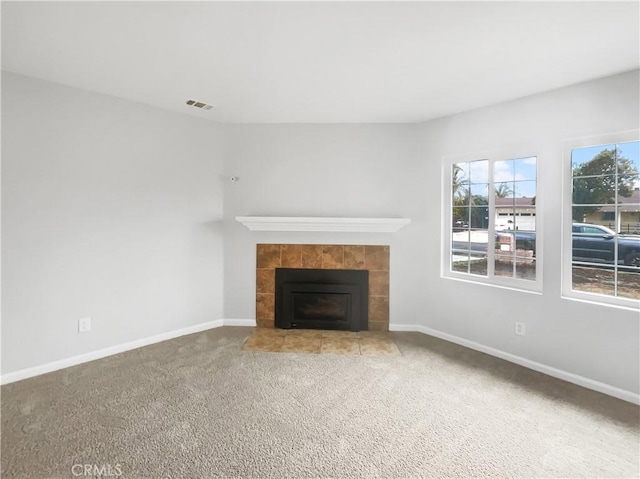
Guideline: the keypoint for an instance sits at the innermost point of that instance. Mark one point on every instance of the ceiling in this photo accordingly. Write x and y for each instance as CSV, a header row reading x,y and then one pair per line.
x,y
317,62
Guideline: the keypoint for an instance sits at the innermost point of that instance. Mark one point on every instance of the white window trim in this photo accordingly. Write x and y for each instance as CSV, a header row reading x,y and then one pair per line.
x,y
567,218
446,226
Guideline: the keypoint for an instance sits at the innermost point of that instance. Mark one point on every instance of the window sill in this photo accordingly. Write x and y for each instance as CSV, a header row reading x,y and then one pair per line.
x,y
535,288
606,301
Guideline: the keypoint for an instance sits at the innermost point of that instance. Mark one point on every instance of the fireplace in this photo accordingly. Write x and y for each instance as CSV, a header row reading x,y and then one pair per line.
x,y
321,299
374,259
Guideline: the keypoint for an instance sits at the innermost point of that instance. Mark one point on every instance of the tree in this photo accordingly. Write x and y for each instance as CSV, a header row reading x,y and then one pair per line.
x,y
460,198
503,190
594,182
460,194
479,216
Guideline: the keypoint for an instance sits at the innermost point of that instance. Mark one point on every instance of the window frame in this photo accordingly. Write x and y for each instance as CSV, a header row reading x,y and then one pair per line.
x,y
519,284
567,219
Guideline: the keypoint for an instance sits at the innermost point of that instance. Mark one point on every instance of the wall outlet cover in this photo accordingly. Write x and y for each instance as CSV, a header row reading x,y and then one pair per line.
x,y
84,325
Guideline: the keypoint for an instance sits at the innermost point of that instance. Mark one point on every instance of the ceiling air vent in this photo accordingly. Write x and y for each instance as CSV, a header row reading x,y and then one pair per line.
x,y
199,104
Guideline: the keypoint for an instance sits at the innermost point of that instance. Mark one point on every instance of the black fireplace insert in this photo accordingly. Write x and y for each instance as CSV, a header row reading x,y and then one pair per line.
x,y
322,299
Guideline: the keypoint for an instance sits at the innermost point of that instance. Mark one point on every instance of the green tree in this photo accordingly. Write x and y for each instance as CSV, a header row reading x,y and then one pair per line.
x,y
594,182
460,193
503,190
479,216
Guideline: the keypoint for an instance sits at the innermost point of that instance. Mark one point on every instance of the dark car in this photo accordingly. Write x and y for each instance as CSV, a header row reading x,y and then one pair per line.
x,y
596,244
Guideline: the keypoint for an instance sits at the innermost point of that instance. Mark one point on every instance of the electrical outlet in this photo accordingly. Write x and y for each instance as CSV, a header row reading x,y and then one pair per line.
x,y
520,330
84,324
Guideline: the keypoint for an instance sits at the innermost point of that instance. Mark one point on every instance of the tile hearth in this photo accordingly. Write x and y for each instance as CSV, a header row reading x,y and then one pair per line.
x,y
315,341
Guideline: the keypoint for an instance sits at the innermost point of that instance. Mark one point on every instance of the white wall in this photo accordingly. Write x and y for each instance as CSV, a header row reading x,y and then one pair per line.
x,y
317,170
395,170
110,209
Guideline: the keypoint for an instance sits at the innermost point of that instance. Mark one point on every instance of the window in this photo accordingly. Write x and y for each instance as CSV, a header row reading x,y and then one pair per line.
x,y
492,235
605,206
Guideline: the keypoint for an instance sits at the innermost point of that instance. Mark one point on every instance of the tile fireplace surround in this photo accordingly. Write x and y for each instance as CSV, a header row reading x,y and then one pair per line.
x,y
375,259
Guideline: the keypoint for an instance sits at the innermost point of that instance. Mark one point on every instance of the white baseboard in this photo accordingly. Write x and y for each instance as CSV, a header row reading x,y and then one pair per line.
x,y
527,363
543,368
101,353
404,327
240,322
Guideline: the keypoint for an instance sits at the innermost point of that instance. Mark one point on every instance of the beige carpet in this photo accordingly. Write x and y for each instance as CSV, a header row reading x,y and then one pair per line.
x,y
318,341
200,407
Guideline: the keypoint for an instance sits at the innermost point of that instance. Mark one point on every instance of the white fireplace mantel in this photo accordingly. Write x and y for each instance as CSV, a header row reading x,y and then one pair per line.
x,y
346,225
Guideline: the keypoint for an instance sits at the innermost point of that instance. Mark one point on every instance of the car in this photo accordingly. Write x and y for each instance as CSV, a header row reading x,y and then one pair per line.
x,y
591,244
596,244
504,225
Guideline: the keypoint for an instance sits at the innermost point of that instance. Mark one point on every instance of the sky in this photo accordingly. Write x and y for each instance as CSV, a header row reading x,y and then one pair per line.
x,y
519,174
